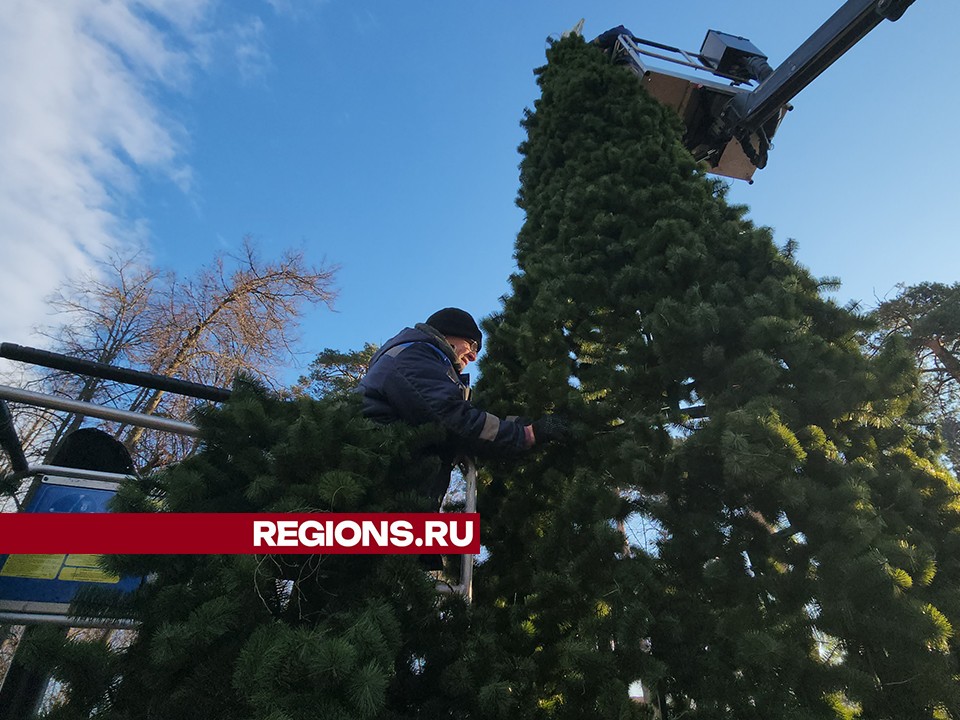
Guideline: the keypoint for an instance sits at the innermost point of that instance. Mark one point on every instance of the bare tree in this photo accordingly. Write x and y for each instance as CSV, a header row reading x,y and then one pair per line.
x,y
238,314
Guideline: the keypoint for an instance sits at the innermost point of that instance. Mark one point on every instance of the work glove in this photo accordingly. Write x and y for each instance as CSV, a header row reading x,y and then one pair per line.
x,y
552,428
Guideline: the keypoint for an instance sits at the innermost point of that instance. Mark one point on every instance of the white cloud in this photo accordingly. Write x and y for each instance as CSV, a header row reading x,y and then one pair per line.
x,y
79,122
250,50
294,8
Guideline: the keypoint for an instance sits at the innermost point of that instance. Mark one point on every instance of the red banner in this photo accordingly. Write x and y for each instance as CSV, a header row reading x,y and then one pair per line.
x,y
239,533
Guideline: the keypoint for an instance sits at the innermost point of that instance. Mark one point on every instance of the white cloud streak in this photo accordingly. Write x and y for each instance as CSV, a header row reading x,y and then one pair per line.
x,y
250,50
79,121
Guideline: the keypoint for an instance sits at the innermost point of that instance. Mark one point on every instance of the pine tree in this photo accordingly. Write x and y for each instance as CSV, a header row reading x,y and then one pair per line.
x,y
926,315
335,372
290,636
806,565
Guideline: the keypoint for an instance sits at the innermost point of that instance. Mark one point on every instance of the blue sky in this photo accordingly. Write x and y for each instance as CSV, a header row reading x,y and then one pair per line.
x,y
381,136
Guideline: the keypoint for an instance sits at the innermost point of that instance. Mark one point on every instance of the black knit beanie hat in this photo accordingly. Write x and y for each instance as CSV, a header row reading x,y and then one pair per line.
x,y
456,323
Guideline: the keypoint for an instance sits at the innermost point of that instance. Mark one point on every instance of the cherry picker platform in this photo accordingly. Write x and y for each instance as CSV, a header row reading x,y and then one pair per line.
x,y
733,107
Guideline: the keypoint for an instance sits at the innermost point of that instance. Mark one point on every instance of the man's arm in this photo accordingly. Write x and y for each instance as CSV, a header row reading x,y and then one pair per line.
x,y
421,390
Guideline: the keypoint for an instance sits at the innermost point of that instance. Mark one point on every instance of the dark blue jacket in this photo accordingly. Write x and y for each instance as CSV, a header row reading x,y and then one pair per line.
x,y
414,378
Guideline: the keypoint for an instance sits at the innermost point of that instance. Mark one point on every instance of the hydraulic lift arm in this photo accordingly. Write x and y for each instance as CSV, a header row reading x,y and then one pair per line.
x,y
747,113
730,125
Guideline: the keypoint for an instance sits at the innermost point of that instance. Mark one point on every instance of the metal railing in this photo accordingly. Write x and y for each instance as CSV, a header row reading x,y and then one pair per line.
x,y
102,412
135,377
465,586
90,368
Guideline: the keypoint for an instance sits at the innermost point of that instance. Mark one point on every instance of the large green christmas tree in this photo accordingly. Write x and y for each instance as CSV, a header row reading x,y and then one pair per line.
x,y
808,559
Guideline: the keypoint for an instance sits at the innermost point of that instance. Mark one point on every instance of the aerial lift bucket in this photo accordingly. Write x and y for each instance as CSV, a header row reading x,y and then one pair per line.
x,y
730,126
21,469
700,100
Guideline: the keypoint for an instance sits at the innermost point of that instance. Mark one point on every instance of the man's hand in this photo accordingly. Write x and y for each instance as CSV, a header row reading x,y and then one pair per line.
x,y
552,428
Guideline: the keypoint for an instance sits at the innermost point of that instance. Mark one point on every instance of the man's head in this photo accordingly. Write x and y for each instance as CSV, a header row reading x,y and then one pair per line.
x,y
460,330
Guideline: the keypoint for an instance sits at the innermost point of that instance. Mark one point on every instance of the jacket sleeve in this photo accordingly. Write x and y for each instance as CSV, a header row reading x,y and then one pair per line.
x,y
421,390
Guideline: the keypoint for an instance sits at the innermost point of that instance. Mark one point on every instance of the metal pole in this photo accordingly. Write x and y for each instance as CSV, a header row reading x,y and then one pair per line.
x,y
21,618
465,587
9,440
28,397
57,361
60,471
466,571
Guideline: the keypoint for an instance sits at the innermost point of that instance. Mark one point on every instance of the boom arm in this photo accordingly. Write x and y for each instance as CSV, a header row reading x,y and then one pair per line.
x,y
747,113
730,125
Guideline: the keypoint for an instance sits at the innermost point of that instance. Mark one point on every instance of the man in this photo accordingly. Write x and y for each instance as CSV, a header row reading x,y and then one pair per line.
x,y
416,378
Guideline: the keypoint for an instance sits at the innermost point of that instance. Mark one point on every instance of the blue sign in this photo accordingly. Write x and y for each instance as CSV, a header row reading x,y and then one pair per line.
x,y
44,585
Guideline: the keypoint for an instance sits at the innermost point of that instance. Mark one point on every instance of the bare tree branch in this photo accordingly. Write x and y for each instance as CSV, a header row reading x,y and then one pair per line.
x,y
238,314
